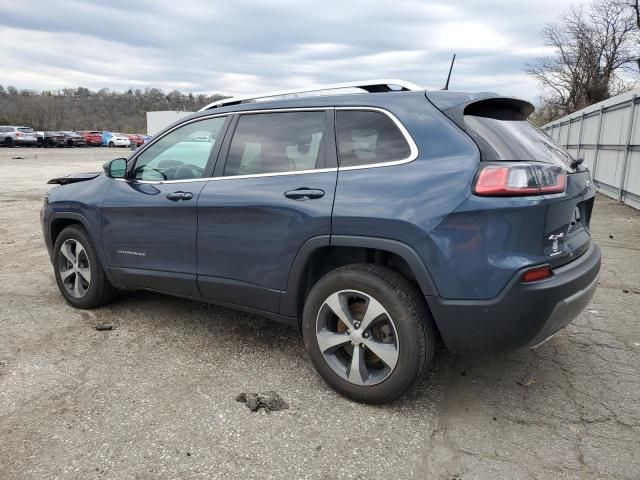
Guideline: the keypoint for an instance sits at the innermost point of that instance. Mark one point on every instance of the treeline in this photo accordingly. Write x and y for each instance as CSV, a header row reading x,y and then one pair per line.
x,y
83,109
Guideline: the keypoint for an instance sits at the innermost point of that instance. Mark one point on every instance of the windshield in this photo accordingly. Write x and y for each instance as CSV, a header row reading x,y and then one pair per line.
x,y
515,140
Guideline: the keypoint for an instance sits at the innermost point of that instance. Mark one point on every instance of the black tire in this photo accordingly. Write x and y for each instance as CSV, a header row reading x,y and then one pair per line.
x,y
8,142
414,327
111,145
99,291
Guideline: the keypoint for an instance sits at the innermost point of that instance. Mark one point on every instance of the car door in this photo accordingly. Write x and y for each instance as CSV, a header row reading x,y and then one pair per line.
x,y
273,191
149,219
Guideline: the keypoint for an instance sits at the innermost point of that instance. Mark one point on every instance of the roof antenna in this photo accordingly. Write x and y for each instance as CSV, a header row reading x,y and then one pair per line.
x,y
446,86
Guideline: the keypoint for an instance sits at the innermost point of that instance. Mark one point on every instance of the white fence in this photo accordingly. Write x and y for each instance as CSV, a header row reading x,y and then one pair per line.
x,y
607,136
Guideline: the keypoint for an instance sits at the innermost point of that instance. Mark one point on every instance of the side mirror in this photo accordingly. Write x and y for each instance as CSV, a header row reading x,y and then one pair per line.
x,y
116,168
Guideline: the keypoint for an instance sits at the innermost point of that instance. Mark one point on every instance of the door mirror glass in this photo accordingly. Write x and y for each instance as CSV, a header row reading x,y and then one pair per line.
x,y
116,168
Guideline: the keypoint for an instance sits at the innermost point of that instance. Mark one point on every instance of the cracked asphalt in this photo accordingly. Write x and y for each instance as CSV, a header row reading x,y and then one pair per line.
x,y
154,397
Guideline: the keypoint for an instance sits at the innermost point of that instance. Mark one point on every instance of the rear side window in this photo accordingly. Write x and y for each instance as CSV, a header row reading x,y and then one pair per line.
x,y
276,142
366,137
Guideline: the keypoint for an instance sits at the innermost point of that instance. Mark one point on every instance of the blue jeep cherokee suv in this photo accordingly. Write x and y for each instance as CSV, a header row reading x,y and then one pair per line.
x,y
376,221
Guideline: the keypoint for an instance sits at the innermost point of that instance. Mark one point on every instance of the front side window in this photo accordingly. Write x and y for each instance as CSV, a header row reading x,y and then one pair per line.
x,y
366,137
180,155
276,142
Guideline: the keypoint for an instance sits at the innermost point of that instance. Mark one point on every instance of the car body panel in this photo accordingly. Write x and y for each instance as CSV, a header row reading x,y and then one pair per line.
x,y
231,212
147,237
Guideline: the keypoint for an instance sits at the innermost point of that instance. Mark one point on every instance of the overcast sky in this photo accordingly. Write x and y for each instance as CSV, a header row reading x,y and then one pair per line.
x,y
248,46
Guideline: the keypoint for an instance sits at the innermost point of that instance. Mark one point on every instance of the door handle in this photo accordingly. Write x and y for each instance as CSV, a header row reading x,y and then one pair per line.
x,y
177,196
304,194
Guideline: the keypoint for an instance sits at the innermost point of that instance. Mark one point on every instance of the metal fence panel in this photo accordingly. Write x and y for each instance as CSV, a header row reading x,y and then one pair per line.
x,y
607,136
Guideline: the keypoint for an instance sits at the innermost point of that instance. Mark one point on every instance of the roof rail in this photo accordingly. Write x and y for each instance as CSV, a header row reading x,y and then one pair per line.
x,y
370,86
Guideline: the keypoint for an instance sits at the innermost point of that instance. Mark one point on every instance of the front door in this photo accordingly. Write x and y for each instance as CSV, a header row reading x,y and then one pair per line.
x,y
274,192
149,220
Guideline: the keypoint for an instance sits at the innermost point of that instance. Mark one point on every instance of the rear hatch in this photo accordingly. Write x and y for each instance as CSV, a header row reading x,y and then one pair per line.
x,y
509,142
26,133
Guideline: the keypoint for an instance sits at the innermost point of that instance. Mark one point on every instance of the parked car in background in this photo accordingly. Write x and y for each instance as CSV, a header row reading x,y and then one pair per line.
x,y
13,136
135,138
375,223
50,139
118,140
72,139
92,137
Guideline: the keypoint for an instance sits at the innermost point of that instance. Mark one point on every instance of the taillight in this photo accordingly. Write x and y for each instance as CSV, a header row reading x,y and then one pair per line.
x,y
519,179
537,273
18,134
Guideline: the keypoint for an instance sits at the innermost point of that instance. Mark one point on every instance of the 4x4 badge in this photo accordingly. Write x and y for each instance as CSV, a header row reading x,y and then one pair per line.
x,y
555,245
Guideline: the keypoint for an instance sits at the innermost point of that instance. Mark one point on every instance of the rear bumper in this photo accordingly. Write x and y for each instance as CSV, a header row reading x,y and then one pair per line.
x,y
522,315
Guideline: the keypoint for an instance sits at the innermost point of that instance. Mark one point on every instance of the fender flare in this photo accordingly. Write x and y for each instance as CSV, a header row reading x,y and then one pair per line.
x,y
82,221
289,299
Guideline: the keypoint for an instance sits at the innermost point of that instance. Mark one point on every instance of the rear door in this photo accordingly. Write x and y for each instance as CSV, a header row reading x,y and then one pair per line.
x,y
149,220
273,191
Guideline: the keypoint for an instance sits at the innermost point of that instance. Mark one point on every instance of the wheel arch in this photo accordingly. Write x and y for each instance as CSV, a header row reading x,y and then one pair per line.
x,y
321,254
61,220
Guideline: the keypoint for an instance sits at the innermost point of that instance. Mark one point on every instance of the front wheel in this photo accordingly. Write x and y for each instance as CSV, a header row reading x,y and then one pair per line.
x,y
78,272
368,332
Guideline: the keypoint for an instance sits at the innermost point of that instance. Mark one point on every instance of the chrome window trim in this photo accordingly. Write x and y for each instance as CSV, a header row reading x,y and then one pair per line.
x,y
413,148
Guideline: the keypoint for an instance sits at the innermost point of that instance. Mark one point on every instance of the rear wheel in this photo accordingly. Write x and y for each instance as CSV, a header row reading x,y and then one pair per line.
x,y
368,332
111,145
78,272
8,142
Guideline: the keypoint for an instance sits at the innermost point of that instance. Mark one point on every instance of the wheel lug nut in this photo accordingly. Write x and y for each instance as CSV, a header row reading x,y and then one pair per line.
x,y
348,332
365,334
363,345
356,325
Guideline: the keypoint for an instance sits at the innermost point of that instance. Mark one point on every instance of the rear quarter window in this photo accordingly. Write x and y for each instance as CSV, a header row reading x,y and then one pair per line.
x,y
369,137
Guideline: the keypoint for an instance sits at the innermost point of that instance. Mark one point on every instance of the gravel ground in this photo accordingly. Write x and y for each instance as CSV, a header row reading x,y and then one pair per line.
x,y
154,397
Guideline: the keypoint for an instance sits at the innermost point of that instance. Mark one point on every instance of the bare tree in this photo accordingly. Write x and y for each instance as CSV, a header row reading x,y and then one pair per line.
x,y
595,49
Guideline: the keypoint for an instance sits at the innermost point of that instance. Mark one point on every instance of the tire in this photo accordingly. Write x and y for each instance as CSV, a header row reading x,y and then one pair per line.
x,y
111,145
8,142
76,289
404,327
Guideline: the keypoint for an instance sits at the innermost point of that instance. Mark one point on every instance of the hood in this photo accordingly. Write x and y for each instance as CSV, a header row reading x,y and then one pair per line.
x,y
77,177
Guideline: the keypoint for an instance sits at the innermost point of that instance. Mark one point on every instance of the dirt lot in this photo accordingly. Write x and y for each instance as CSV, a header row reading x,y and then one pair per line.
x,y
154,397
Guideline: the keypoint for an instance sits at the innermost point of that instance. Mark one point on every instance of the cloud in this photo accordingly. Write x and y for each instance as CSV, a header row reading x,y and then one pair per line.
x,y
248,46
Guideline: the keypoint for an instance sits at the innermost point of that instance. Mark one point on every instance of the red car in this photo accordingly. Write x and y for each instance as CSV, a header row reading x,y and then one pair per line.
x,y
93,138
135,139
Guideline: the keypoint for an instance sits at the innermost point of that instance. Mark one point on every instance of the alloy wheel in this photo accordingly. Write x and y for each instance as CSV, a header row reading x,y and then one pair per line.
x,y
74,268
357,337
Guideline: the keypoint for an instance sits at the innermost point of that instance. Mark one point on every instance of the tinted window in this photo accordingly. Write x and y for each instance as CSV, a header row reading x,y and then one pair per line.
x,y
276,142
514,140
366,137
25,130
180,155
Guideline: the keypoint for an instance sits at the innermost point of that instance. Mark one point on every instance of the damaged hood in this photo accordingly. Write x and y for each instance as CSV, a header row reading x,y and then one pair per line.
x,y
74,178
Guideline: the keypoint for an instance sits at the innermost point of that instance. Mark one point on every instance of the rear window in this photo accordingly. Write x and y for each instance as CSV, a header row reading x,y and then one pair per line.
x,y
503,133
368,137
25,130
